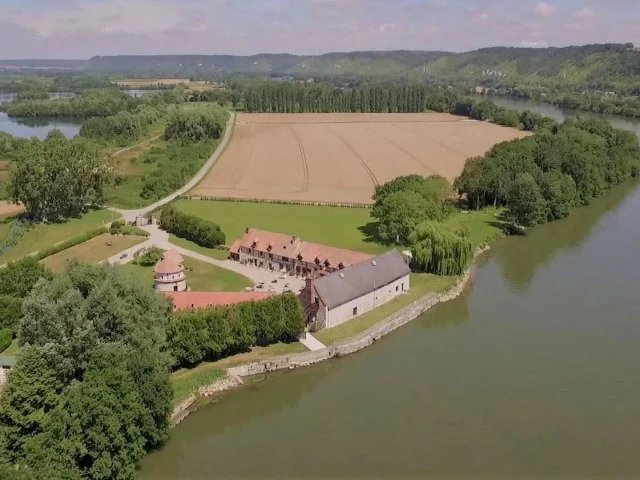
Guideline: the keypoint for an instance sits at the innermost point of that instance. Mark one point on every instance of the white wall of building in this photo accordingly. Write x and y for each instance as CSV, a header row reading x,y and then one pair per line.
x,y
4,374
367,302
168,282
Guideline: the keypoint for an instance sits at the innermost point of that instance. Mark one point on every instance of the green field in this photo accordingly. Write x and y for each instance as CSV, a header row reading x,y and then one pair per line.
x,y
93,251
12,350
201,277
217,253
484,225
335,226
5,226
46,235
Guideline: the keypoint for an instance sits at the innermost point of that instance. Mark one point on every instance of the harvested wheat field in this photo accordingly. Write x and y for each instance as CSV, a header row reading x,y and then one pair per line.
x,y
340,157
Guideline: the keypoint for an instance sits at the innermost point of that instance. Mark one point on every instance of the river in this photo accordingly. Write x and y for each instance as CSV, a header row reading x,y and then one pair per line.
x,y
560,114
532,372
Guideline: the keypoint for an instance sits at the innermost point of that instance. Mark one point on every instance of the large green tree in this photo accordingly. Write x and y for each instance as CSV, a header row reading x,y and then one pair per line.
x,y
58,178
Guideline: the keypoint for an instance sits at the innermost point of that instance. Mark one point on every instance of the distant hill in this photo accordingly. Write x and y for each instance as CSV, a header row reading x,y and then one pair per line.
x,y
578,65
599,65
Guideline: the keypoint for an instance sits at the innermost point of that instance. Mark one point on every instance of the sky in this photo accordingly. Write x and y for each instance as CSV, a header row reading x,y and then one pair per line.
x,y
84,28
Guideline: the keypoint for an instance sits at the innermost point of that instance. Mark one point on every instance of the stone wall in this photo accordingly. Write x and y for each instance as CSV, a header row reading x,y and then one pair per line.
x,y
338,349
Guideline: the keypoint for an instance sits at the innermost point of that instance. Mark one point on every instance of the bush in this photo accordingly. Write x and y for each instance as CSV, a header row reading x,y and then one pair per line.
x,y
10,311
196,126
209,334
201,232
6,337
149,257
120,227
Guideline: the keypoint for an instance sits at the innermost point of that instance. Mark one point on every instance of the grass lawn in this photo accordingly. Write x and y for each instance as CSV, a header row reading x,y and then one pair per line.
x,y
217,253
12,350
43,236
335,226
186,381
421,284
201,277
484,225
5,226
93,251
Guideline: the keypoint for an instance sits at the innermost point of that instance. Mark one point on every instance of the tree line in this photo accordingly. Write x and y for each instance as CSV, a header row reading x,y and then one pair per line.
x,y
90,393
202,232
105,102
540,178
124,127
209,334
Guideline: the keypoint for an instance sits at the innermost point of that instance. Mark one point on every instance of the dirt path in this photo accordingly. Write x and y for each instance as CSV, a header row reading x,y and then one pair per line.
x,y
134,146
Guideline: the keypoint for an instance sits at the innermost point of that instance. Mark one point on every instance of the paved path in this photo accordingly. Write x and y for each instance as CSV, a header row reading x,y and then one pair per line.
x,y
130,215
311,342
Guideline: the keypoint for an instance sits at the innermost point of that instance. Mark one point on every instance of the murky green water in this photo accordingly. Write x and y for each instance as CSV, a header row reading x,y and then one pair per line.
x,y
534,372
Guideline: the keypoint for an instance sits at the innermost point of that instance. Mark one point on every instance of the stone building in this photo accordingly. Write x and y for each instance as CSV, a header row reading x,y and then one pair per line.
x,y
6,364
334,298
169,273
291,254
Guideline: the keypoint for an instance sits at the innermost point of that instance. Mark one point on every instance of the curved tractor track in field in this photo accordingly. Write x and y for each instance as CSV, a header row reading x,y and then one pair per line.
x,y
305,165
372,175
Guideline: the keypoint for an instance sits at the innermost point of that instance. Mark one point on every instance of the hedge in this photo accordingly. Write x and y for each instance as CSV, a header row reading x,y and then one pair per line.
x,y
183,225
209,334
72,242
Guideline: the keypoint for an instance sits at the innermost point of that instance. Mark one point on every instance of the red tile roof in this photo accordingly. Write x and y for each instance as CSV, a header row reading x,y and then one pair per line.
x,y
172,262
292,247
198,300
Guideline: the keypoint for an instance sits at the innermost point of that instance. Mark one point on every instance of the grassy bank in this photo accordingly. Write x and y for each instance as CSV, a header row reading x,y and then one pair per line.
x,y
421,285
201,277
187,380
46,235
11,350
92,251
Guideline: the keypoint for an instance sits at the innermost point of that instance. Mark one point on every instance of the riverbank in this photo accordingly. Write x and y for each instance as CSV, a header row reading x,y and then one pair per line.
x,y
340,348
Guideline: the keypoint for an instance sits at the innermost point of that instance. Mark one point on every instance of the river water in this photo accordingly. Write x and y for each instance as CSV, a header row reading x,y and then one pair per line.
x,y
533,372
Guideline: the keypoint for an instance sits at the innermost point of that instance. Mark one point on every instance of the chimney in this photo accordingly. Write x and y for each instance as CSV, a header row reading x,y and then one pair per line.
x,y
309,291
295,240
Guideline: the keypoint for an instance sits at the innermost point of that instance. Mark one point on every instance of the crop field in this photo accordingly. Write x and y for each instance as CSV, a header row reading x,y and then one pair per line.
x,y
340,158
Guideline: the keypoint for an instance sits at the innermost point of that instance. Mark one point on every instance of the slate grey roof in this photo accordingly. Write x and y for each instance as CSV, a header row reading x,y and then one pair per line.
x,y
345,285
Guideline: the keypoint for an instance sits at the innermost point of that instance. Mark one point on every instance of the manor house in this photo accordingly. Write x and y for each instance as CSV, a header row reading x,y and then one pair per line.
x,y
291,254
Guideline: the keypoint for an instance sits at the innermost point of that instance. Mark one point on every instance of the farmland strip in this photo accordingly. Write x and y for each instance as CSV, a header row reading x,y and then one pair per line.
x,y
360,159
237,179
305,165
402,149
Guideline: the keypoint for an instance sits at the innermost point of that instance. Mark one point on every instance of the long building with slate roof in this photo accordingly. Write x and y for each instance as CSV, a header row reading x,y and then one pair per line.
x,y
342,295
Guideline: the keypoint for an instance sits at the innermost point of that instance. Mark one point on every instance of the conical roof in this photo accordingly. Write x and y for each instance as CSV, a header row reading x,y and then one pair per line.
x,y
172,262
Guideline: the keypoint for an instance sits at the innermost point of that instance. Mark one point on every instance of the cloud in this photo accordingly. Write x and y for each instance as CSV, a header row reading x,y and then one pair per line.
x,y
383,27
83,28
544,9
586,13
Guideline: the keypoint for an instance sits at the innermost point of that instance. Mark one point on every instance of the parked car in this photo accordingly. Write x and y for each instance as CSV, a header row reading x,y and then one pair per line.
x,y
124,255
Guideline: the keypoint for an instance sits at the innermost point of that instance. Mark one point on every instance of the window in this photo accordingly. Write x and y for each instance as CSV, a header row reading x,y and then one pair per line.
x,y
403,287
397,288
355,311
175,288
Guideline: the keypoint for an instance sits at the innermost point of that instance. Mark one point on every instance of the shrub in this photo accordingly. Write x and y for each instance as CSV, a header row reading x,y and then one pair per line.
x,y
10,311
202,232
149,257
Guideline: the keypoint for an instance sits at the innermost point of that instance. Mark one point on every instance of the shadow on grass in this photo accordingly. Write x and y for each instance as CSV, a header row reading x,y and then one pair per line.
x,y
370,233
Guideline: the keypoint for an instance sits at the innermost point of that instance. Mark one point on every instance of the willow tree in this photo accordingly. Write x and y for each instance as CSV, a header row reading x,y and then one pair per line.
x,y
440,249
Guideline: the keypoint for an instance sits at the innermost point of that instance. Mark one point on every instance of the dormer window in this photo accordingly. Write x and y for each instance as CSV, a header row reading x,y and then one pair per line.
x,y
341,266
327,263
317,260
